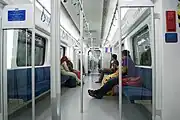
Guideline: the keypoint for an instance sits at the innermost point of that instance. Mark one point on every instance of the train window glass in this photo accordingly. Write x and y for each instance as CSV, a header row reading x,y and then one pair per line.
x,y
24,49
141,48
122,46
62,51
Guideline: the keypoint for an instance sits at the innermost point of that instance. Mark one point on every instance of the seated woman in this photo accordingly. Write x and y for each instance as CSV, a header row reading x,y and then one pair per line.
x,y
128,70
65,70
71,69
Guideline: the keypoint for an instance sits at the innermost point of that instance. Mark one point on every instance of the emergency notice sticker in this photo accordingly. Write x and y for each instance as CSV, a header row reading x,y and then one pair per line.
x,y
171,21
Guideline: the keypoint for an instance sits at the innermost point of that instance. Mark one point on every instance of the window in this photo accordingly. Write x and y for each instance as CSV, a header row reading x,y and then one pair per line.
x,y
24,49
122,46
141,48
62,51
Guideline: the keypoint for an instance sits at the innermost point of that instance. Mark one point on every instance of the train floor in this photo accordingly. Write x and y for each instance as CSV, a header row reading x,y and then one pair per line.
x,y
94,109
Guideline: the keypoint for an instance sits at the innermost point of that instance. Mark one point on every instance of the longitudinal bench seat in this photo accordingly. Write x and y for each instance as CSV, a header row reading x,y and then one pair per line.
x,y
136,93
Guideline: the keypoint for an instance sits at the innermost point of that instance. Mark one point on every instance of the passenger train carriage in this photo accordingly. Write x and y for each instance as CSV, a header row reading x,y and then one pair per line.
x,y
89,37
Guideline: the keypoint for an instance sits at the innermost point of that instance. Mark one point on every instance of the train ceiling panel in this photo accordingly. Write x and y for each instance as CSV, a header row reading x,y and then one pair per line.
x,y
93,10
110,7
73,11
94,13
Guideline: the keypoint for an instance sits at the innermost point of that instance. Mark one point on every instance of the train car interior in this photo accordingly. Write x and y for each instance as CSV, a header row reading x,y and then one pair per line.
x,y
89,59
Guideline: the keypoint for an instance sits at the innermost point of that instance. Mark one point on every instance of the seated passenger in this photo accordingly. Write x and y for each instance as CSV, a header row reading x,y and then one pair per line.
x,y
128,70
110,77
113,67
65,70
70,67
145,57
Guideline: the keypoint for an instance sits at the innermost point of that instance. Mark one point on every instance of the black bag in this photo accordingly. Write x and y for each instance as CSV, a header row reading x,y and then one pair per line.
x,y
71,82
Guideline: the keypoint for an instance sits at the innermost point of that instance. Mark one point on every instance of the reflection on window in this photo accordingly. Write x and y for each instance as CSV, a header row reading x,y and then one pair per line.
x,y
141,48
24,49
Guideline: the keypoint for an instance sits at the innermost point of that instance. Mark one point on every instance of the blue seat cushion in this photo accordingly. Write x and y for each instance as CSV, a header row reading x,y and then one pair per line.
x,y
137,93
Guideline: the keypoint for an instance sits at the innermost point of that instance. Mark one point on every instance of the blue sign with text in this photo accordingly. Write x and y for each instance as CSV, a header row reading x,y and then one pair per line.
x,y
17,15
171,38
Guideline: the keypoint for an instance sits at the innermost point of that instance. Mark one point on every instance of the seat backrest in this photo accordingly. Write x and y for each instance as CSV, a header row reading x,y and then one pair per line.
x,y
146,76
21,77
47,73
11,81
39,74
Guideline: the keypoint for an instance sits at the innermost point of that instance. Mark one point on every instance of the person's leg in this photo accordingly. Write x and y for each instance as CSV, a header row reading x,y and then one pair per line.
x,y
104,89
77,73
104,71
71,74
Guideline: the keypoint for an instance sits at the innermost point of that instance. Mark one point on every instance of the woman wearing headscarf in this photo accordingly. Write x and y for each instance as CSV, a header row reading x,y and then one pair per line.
x,y
65,70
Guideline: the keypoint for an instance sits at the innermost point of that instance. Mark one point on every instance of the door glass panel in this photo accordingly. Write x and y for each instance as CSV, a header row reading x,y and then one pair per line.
x,y
137,79
19,89
0,69
42,80
0,97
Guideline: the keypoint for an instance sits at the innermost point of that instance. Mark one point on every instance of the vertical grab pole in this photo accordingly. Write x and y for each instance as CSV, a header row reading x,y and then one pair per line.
x,y
55,56
1,74
153,65
26,46
57,59
92,56
4,75
120,61
33,62
81,41
92,64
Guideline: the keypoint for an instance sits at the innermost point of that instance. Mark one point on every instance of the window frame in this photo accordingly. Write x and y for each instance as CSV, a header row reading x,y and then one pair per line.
x,y
29,43
143,30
